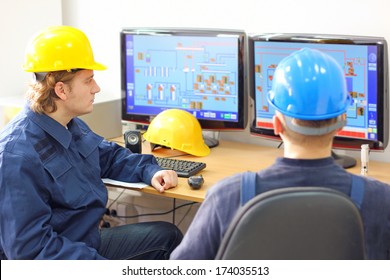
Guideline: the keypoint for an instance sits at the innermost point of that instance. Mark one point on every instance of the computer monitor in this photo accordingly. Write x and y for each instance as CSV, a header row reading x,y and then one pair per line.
x,y
365,62
198,70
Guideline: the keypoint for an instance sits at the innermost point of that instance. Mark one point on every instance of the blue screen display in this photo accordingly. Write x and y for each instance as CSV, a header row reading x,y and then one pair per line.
x,y
361,71
197,73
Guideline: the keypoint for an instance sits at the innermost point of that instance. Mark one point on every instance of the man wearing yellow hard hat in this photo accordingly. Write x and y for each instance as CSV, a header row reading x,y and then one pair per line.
x,y
52,198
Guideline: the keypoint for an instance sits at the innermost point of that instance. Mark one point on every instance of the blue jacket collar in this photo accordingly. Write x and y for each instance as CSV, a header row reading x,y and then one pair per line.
x,y
53,128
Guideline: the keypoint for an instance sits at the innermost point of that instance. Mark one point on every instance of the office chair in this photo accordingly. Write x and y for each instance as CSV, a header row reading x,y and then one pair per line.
x,y
298,223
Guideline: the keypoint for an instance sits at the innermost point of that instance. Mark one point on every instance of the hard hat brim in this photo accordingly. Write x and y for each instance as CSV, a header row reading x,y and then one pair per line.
x,y
96,66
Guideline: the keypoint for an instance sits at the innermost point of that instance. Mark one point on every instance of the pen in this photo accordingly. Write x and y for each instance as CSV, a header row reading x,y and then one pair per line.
x,y
365,150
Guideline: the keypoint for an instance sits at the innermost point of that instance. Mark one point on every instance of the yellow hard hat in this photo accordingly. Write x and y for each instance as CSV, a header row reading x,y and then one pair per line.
x,y
60,48
177,129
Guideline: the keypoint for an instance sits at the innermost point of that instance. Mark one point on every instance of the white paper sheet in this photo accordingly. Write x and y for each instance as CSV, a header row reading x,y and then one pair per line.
x,y
124,184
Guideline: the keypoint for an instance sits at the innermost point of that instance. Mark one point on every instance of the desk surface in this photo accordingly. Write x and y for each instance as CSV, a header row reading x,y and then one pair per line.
x,y
233,157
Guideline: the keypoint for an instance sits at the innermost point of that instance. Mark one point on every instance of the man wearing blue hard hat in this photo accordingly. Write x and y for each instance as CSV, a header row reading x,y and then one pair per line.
x,y
310,98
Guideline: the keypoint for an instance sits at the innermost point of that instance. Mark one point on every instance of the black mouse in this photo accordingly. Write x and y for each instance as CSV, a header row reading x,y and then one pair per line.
x,y
195,181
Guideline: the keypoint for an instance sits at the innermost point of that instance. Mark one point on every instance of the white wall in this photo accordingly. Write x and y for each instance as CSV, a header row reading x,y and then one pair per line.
x,y
19,20
102,21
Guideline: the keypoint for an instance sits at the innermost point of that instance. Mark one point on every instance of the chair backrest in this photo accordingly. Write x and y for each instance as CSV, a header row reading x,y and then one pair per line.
x,y
298,223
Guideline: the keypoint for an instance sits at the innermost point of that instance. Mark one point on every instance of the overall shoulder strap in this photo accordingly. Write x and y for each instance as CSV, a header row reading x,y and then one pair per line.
x,y
357,190
248,186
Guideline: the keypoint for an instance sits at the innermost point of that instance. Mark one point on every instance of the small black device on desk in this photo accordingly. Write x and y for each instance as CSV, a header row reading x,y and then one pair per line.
x,y
195,181
183,168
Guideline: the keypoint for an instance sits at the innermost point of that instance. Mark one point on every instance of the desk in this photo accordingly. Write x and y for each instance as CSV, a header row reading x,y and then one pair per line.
x,y
233,157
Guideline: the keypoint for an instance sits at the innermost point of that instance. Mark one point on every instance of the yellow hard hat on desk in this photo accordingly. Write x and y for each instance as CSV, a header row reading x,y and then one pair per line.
x,y
177,129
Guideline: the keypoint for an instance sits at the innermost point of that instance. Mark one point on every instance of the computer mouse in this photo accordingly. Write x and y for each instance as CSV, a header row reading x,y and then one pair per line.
x,y
195,181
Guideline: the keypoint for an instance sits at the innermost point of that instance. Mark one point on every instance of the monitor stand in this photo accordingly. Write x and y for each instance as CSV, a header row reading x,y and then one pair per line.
x,y
343,160
211,138
210,141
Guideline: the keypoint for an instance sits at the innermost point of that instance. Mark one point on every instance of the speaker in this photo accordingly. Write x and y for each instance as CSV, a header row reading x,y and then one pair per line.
x,y
133,141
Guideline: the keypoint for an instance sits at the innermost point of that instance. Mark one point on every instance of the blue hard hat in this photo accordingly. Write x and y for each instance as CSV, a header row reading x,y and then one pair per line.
x,y
309,85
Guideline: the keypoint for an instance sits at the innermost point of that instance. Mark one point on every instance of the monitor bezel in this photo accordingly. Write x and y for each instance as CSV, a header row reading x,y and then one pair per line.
x,y
196,32
382,82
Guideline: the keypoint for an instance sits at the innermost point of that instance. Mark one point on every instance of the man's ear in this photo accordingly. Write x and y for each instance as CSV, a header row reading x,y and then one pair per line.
x,y
343,119
278,125
60,90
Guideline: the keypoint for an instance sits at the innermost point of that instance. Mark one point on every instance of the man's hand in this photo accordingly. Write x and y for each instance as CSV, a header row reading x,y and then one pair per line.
x,y
164,179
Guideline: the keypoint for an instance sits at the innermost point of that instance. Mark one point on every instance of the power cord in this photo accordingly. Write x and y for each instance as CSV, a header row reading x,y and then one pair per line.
x,y
116,199
114,214
104,223
185,215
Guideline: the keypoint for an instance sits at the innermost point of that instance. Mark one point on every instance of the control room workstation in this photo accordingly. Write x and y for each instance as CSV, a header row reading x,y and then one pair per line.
x,y
230,158
222,78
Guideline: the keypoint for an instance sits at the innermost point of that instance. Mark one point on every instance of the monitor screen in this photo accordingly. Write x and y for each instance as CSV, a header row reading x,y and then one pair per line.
x,y
364,60
198,70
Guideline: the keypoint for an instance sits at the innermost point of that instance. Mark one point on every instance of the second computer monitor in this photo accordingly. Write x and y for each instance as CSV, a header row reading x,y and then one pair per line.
x,y
365,64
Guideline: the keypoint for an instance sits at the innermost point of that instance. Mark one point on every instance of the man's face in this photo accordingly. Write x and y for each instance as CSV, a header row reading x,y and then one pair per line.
x,y
81,93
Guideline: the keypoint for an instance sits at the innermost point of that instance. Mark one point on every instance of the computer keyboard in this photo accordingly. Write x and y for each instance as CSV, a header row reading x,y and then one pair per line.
x,y
183,168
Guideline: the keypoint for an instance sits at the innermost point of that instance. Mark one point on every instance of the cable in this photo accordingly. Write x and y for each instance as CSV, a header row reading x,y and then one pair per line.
x,y
185,215
103,222
116,199
176,156
155,214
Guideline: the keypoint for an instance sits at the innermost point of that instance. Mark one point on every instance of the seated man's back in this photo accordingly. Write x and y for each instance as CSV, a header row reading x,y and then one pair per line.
x,y
310,99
